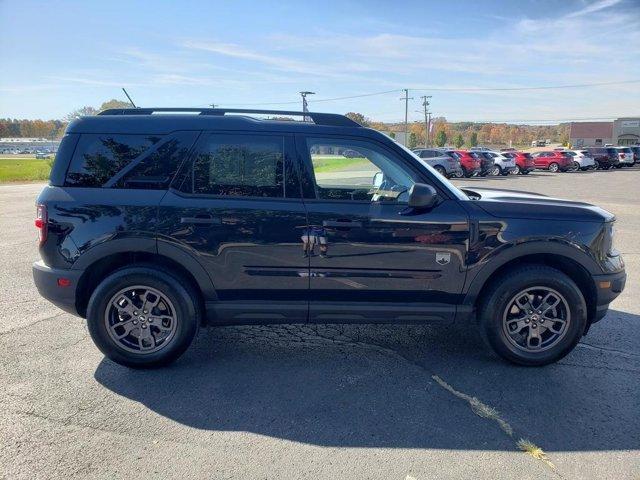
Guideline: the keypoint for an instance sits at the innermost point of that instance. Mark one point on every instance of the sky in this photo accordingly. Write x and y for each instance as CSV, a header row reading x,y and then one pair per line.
x,y
58,56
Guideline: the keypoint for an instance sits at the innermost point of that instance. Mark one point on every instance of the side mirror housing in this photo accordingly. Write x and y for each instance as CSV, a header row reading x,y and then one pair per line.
x,y
422,196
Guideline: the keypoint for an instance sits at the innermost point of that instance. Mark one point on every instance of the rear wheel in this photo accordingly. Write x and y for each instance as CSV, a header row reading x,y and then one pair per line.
x,y
440,169
575,166
554,167
534,315
517,170
143,317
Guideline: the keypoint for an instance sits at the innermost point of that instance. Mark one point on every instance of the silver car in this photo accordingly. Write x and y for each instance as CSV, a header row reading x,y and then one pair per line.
x,y
444,164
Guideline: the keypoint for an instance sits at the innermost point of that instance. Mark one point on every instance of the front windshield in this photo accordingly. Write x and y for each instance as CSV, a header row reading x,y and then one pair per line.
x,y
446,184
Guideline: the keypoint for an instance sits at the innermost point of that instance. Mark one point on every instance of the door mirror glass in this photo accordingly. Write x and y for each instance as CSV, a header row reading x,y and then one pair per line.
x,y
422,196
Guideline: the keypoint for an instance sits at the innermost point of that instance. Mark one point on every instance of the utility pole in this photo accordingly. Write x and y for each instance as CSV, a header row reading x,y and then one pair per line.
x,y
212,105
425,104
406,99
305,105
429,130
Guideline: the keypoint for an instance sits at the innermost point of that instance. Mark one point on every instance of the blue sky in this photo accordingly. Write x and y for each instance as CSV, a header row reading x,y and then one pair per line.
x,y
58,56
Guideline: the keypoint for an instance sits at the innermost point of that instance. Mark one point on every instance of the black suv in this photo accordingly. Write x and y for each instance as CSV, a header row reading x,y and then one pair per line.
x,y
156,224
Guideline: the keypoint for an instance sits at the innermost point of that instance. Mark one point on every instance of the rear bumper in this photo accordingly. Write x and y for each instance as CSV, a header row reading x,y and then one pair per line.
x,y
608,287
46,280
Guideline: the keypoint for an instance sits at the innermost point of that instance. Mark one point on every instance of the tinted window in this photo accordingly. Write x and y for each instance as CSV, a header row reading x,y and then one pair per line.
x,y
158,167
238,165
98,157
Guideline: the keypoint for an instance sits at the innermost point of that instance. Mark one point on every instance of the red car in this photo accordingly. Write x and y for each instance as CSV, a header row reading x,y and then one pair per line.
x,y
524,162
553,161
471,165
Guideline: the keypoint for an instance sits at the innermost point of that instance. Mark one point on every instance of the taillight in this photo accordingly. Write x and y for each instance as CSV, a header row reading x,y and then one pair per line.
x,y
41,223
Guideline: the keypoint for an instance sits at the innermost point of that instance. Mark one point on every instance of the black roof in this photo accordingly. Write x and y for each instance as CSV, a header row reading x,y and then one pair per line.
x,y
166,120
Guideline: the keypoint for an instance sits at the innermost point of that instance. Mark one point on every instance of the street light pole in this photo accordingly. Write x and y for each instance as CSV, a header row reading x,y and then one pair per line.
x,y
305,105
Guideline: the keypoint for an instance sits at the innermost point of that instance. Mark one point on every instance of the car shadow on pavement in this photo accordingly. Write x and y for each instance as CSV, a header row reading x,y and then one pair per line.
x,y
372,386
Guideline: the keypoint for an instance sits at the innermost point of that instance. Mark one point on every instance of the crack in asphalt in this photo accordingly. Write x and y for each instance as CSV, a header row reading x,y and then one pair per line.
x,y
22,327
609,350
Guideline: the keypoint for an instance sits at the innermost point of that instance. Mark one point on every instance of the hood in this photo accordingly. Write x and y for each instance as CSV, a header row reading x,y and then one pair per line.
x,y
517,204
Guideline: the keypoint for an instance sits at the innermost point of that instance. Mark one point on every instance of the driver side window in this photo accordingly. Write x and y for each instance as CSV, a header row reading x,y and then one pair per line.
x,y
357,170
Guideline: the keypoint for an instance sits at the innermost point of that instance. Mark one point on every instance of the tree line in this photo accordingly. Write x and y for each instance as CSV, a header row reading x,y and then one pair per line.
x,y
458,134
470,134
51,129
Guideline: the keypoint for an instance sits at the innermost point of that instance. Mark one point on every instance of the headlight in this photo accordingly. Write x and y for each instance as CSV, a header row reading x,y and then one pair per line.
x,y
608,240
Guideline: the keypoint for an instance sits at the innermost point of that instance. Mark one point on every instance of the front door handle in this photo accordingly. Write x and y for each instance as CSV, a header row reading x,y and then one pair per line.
x,y
200,220
342,224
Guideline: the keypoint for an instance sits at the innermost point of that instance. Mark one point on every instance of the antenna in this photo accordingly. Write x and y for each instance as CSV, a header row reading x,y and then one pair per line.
x,y
130,101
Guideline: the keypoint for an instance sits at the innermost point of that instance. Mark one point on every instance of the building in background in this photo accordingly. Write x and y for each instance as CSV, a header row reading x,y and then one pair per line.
x,y
626,131
590,134
622,131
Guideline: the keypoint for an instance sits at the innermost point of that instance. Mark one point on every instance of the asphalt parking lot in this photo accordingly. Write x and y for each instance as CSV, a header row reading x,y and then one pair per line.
x,y
380,402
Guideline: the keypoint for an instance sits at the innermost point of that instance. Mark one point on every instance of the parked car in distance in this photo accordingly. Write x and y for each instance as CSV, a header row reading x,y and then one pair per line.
x,y
625,155
582,160
444,164
210,219
605,157
41,155
538,143
470,163
503,165
523,160
487,164
636,153
553,161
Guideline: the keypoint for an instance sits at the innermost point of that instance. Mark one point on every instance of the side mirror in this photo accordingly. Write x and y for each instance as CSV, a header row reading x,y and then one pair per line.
x,y
422,196
378,178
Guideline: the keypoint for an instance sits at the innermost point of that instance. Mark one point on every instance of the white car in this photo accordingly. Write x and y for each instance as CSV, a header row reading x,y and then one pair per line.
x,y
582,160
625,155
503,165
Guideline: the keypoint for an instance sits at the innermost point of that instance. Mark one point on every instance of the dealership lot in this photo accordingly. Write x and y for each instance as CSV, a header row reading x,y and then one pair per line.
x,y
300,401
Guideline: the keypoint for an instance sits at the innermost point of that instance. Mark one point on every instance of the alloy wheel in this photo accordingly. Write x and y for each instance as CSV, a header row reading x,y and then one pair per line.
x,y
553,167
140,319
536,319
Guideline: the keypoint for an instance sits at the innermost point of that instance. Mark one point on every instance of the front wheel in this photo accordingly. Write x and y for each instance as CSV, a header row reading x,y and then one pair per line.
x,y
534,315
143,317
440,169
554,167
517,170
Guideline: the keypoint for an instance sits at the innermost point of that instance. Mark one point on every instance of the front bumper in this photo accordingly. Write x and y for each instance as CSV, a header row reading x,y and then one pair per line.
x,y
47,283
608,287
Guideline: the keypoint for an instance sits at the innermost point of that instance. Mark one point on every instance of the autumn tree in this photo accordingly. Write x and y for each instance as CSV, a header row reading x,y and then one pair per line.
x,y
473,139
413,140
358,117
85,111
441,138
458,141
113,103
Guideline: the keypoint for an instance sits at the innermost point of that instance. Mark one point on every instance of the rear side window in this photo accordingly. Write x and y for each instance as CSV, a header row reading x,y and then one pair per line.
x,y
98,157
238,165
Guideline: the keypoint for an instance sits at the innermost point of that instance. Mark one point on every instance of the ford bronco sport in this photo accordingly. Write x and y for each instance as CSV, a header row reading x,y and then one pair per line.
x,y
155,223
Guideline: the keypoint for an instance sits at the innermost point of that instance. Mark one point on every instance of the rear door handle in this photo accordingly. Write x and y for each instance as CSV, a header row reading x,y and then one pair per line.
x,y
200,220
341,224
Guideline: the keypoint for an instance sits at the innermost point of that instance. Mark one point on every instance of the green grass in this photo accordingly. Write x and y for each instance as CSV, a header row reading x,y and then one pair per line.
x,y
24,169
335,163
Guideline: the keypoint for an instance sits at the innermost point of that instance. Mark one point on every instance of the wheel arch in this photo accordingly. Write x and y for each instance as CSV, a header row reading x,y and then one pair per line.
x,y
570,264
172,260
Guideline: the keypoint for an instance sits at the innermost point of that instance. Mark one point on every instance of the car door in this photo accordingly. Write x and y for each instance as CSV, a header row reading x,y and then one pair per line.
x,y
236,207
371,257
539,160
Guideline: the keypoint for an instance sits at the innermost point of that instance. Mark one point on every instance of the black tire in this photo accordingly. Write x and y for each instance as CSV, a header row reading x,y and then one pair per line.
x,y
526,172
554,167
179,292
498,298
440,169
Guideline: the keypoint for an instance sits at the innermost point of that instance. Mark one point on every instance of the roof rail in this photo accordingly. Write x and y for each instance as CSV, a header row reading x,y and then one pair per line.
x,y
328,119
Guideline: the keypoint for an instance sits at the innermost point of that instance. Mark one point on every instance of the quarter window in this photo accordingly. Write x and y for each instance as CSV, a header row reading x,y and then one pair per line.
x,y
98,157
